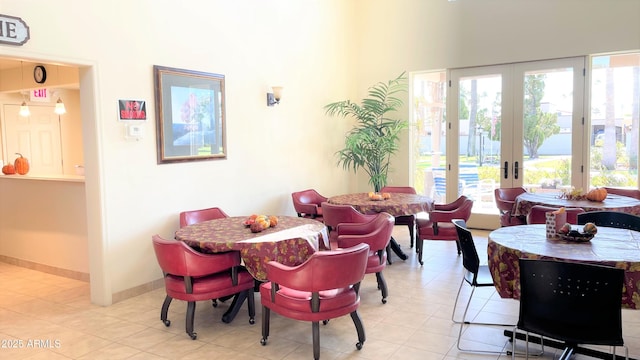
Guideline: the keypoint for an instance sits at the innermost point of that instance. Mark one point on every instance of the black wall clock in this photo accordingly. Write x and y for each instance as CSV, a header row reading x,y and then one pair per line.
x,y
39,74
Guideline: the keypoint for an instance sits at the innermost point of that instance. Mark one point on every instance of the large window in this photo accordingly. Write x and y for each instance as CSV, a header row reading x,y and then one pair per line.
x,y
615,113
527,124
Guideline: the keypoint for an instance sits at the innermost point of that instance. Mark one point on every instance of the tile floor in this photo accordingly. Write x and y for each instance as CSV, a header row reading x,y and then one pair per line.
x,y
43,316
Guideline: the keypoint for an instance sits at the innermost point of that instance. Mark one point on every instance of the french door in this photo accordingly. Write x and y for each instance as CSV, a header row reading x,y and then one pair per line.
x,y
513,125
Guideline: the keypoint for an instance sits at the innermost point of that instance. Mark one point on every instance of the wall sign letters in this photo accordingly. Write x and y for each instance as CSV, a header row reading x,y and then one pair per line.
x,y
13,30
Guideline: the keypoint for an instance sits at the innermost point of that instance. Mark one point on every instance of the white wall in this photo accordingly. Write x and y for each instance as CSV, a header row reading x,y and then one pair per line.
x,y
319,50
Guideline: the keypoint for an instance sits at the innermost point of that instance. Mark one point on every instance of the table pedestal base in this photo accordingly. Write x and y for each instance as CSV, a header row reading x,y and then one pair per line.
x,y
235,306
395,247
568,351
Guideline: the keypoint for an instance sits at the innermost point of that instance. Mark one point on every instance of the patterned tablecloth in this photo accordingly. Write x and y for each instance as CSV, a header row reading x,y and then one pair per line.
x,y
526,201
611,247
399,204
291,242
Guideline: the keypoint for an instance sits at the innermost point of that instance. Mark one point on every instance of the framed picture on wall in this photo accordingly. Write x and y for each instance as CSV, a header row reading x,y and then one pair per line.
x,y
190,115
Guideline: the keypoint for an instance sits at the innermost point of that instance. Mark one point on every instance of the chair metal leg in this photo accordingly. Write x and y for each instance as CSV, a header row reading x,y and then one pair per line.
x,y
191,309
359,328
411,234
165,309
315,330
266,315
526,350
251,304
455,304
419,247
382,285
464,322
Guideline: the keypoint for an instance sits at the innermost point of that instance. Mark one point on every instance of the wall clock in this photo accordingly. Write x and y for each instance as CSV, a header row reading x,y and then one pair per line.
x,y
39,74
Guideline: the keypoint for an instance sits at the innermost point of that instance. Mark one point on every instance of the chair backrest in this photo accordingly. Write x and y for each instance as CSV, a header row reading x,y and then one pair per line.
x,y
334,214
307,201
459,209
197,216
324,270
399,189
456,204
537,215
614,219
506,197
575,302
376,232
177,258
634,193
470,258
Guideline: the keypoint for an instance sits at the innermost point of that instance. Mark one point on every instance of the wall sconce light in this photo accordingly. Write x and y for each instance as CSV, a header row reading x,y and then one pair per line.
x,y
60,109
274,97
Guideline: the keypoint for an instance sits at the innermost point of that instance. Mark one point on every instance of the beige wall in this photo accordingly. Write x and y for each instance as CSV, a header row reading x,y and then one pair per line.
x,y
319,50
43,222
303,46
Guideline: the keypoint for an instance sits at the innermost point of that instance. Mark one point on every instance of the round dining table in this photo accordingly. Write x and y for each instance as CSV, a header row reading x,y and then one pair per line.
x,y
610,247
290,242
524,202
397,205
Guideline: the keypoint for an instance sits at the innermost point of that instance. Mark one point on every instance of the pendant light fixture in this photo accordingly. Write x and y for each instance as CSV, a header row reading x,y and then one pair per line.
x,y
24,108
60,109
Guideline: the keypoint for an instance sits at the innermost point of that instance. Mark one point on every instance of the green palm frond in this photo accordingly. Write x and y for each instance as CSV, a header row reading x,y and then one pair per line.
x,y
374,138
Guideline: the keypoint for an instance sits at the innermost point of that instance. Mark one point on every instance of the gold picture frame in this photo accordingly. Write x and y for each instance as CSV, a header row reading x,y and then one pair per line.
x,y
190,115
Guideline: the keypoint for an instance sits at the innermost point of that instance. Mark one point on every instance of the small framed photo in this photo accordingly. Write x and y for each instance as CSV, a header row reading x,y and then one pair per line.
x,y
190,115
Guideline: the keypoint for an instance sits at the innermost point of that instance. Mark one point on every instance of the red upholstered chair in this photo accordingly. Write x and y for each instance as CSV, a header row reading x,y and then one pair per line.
x,y
634,193
439,226
197,216
192,276
324,287
333,215
376,233
308,204
408,220
505,201
537,215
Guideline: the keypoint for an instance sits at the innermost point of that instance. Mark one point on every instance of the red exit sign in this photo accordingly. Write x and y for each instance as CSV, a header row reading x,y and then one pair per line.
x,y
40,95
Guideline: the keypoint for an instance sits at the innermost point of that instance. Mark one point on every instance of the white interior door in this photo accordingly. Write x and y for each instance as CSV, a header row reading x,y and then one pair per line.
x,y
36,137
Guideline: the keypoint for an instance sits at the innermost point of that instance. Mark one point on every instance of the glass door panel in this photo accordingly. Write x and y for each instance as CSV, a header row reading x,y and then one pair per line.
x,y
514,126
615,118
550,94
428,91
479,126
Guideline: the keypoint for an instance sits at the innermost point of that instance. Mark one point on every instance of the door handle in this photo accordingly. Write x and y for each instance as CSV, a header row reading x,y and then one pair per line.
x,y
515,170
506,169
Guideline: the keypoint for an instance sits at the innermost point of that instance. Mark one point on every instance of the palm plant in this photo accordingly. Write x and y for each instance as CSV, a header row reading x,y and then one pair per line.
x,y
374,138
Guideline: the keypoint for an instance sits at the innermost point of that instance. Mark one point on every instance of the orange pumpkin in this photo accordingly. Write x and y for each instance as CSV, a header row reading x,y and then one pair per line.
x,y
597,194
21,164
8,169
